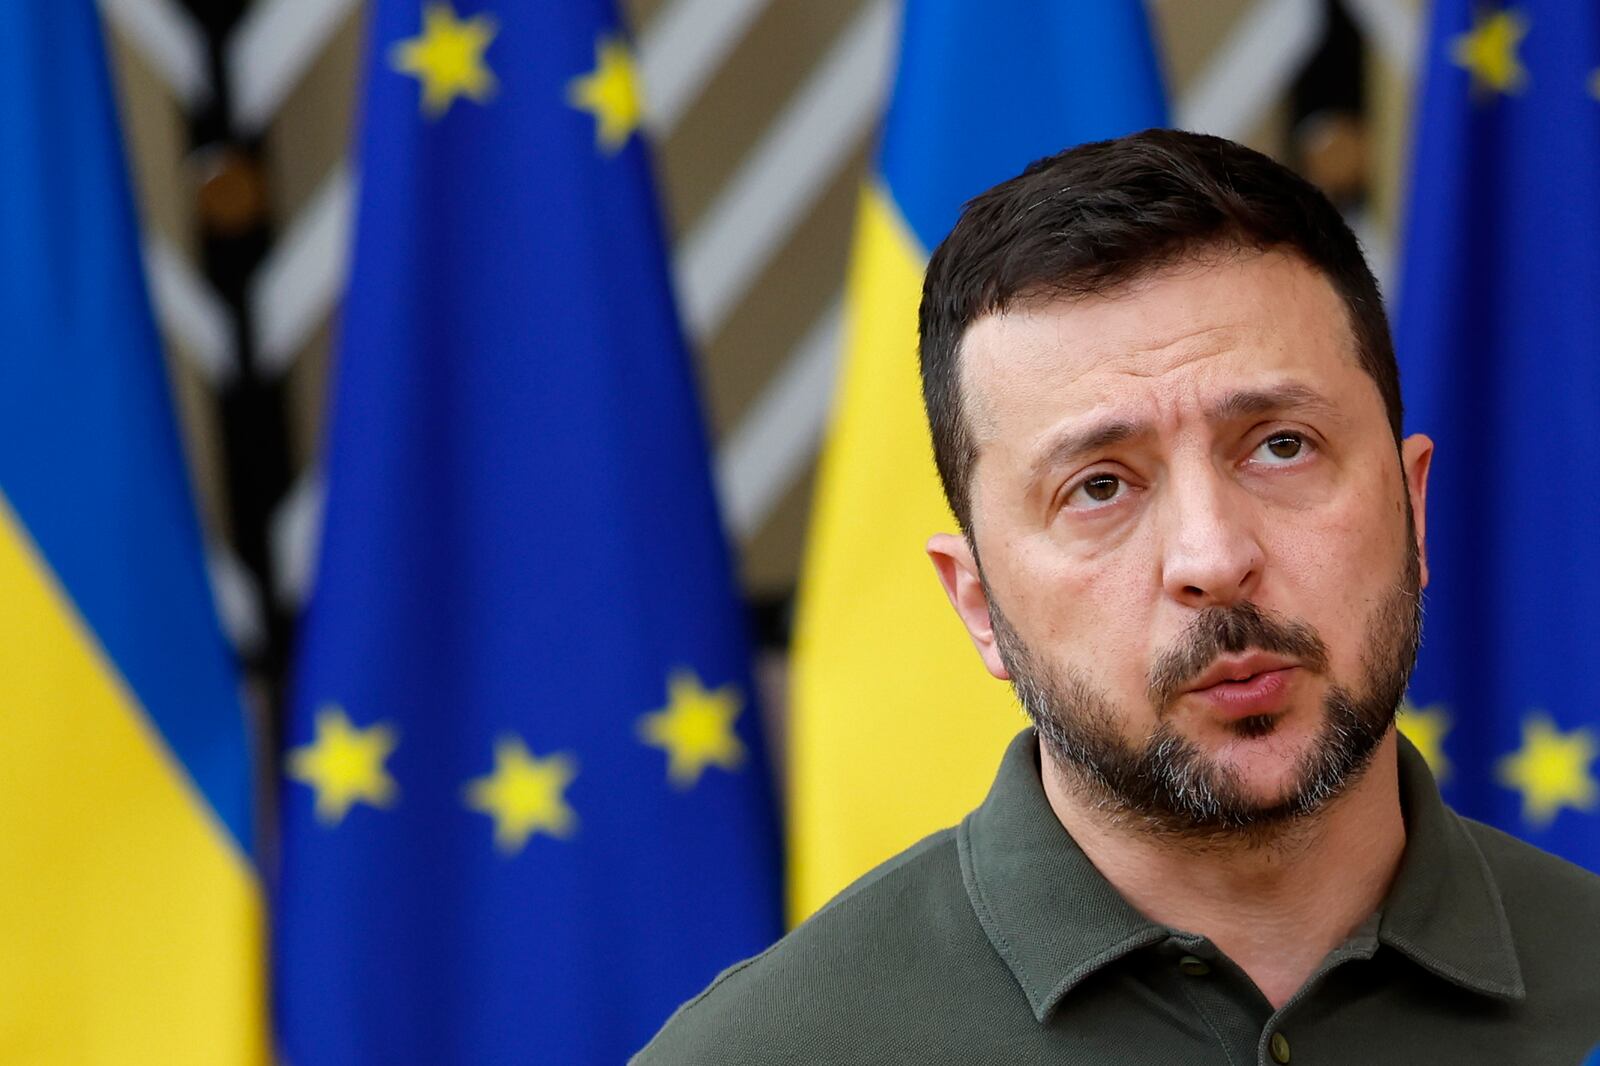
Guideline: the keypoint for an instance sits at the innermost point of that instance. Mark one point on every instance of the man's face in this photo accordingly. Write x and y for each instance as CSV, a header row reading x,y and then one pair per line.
x,y
1197,560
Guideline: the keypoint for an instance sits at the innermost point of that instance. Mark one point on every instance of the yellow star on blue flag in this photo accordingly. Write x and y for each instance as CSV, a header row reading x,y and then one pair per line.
x,y
610,92
447,57
1426,727
344,765
525,794
695,728
1489,51
1553,770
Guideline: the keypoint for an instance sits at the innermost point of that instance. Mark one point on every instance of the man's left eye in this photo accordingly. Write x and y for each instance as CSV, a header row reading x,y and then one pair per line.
x,y
1282,448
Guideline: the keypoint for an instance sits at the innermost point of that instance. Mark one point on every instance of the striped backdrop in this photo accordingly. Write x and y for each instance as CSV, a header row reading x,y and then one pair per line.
x,y
763,113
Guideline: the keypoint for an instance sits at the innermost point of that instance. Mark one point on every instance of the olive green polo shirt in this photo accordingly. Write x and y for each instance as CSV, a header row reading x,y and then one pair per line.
x,y
999,942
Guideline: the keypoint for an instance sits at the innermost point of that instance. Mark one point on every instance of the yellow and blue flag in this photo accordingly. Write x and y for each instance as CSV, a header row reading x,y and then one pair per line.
x,y
895,726
1499,342
526,810
130,905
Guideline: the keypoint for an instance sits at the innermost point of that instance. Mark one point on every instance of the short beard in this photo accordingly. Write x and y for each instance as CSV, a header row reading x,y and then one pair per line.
x,y
1167,785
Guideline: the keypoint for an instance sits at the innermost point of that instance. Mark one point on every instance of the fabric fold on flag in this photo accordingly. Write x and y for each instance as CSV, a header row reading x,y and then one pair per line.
x,y
1497,336
130,905
526,810
896,727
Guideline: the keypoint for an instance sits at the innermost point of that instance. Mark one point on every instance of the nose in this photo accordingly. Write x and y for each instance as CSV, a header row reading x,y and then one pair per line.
x,y
1211,554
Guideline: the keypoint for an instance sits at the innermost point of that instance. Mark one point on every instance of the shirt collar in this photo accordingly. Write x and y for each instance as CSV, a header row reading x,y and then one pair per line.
x,y
1054,919
1049,913
1444,911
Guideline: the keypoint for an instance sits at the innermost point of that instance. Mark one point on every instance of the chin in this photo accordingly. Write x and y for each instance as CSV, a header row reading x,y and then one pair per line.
x,y
1265,754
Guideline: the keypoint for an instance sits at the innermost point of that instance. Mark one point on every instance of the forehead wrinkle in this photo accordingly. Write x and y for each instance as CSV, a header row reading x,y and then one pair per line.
x,y
1154,358
1162,356
1290,397
1078,442
1150,354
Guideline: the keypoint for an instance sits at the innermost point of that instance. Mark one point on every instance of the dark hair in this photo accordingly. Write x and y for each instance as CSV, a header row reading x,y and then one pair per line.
x,y
1099,215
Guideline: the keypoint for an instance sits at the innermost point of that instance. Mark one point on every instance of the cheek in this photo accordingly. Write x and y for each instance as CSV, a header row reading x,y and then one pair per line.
x,y
1095,616
1335,568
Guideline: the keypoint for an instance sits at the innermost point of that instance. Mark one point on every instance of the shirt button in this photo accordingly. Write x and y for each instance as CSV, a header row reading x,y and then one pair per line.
x,y
1194,966
1279,1046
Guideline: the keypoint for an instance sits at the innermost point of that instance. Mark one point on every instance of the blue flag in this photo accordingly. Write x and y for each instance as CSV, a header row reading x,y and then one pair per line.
x,y
526,811
1499,343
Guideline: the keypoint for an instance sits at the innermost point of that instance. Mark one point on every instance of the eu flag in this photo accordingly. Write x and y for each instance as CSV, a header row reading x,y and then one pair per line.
x,y
1499,342
526,811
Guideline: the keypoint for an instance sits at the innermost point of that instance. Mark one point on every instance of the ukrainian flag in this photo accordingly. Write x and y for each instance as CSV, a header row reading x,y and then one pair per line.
x,y
130,910
896,729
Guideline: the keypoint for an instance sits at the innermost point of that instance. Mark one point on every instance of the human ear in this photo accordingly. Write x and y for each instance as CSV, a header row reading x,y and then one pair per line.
x,y
1416,456
958,573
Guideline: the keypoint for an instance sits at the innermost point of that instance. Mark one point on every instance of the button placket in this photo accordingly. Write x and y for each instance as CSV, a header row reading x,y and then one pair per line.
x,y
1220,994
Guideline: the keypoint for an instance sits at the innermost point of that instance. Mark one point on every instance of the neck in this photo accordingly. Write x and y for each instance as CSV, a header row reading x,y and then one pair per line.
x,y
1277,905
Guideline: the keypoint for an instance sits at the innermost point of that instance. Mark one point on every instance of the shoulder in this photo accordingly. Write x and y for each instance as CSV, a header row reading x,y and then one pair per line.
x,y
1552,905
821,992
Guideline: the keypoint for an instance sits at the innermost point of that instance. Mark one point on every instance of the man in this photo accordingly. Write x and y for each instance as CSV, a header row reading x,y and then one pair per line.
x,y
1166,413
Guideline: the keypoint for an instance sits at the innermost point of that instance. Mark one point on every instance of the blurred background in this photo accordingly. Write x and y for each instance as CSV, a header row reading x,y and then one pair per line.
x,y
763,116
478,595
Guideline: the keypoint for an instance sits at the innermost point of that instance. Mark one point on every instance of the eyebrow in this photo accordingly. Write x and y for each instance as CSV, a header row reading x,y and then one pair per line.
x,y
1246,402
1075,445
1242,403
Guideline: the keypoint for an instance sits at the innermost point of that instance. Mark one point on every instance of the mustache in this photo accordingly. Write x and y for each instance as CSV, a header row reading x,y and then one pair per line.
x,y
1230,630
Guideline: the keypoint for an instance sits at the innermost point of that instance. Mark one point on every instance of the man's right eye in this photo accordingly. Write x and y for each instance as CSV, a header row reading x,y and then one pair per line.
x,y
1095,489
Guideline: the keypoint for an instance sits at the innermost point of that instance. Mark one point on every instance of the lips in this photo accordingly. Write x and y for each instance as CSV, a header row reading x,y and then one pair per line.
x,y
1242,686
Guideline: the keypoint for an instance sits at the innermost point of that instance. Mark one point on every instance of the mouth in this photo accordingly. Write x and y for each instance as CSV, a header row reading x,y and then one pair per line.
x,y
1242,687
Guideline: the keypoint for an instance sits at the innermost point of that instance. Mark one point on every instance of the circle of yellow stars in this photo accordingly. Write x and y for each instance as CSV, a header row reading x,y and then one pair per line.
x,y
448,59
1552,770
525,793
1491,53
